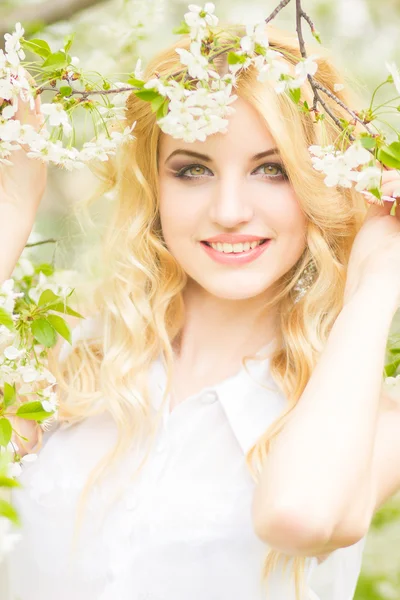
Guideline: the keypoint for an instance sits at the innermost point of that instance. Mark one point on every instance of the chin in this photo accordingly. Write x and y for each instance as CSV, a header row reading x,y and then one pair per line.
x,y
238,290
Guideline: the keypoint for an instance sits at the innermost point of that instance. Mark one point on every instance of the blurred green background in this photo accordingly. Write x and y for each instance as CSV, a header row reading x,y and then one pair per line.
x,y
362,34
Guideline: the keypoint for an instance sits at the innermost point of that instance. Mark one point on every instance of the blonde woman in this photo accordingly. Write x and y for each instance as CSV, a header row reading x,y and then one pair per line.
x,y
243,303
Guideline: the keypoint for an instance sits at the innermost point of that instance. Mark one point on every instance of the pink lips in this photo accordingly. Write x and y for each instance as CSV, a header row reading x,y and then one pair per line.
x,y
238,258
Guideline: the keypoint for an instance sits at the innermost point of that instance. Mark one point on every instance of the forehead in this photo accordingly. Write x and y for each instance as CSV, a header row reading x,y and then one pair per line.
x,y
247,134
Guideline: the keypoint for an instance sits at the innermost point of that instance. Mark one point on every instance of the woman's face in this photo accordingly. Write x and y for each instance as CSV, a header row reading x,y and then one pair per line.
x,y
229,190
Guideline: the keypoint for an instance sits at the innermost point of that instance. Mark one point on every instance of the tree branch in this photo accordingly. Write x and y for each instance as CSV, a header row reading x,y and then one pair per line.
x,y
277,10
315,85
48,12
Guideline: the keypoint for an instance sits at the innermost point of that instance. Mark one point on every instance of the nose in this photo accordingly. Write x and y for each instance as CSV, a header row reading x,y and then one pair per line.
x,y
230,203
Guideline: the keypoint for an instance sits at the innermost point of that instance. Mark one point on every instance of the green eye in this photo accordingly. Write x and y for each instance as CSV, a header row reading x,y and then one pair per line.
x,y
196,170
272,170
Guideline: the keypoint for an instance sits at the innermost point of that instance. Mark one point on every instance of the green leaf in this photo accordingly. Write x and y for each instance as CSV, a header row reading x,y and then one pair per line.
x,y
39,47
5,432
136,82
182,28
391,368
316,35
44,332
48,299
33,411
55,61
66,310
65,90
9,394
163,110
367,141
234,59
6,510
295,94
48,296
8,482
44,268
394,350
390,155
6,319
147,95
157,102
68,42
375,192
60,326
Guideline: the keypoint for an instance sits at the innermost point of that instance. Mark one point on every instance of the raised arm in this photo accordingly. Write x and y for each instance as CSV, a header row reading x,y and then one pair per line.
x,y
318,488
22,185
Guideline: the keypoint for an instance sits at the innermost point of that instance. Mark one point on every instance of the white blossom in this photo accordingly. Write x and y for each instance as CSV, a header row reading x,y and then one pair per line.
x,y
356,155
23,268
156,84
57,116
29,373
305,67
14,51
369,178
255,35
337,167
199,19
271,68
8,295
394,71
196,63
138,72
49,404
12,353
10,131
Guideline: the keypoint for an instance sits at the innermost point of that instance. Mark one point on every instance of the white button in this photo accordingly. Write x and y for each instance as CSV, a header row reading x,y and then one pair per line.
x,y
209,397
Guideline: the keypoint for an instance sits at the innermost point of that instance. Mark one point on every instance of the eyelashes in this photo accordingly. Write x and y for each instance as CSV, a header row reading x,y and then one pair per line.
x,y
181,174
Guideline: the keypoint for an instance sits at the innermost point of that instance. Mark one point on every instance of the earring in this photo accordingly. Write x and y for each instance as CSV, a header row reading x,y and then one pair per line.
x,y
305,281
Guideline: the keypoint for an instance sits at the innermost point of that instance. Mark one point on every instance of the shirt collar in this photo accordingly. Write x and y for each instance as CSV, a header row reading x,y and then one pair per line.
x,y
249,407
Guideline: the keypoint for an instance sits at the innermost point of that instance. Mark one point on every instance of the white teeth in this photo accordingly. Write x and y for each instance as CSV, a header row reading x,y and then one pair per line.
x,y
234,248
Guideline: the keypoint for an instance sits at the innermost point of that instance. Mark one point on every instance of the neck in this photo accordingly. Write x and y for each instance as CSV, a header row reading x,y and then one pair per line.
x,y
218,332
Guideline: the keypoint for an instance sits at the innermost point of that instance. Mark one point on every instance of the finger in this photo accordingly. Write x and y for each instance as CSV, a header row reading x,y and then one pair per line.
x,y
378,208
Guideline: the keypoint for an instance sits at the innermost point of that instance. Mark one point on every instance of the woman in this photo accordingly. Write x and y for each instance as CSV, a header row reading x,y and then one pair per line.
x,y
164,447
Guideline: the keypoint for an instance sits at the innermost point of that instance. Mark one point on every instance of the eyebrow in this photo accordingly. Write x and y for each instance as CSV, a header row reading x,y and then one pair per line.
x,y
209,159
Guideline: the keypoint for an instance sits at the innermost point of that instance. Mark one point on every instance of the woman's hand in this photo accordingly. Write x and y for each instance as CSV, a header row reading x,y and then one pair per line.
x,y
22,186
375,256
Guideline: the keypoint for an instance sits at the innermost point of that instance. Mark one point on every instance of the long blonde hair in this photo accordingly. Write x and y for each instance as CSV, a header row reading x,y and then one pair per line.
x,y
139,297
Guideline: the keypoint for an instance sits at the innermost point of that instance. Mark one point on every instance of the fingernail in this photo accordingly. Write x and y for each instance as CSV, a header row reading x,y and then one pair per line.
x,y
388,198
367,194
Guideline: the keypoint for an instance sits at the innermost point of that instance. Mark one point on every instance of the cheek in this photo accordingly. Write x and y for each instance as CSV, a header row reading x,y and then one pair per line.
x,y
178,217
290,223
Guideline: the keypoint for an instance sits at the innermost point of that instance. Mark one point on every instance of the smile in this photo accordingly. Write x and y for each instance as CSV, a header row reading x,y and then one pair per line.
x,y
235,254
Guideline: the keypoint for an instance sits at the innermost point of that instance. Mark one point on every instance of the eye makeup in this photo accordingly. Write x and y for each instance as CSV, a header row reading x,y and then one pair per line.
x,y
181,173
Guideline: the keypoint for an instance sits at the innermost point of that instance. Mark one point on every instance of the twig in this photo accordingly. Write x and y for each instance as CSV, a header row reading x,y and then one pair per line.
x,y
338,101
315,85
33,244
86,93
308,19
277,10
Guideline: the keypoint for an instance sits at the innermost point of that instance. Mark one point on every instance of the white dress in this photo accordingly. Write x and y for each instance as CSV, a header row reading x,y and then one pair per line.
x,y
183,530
